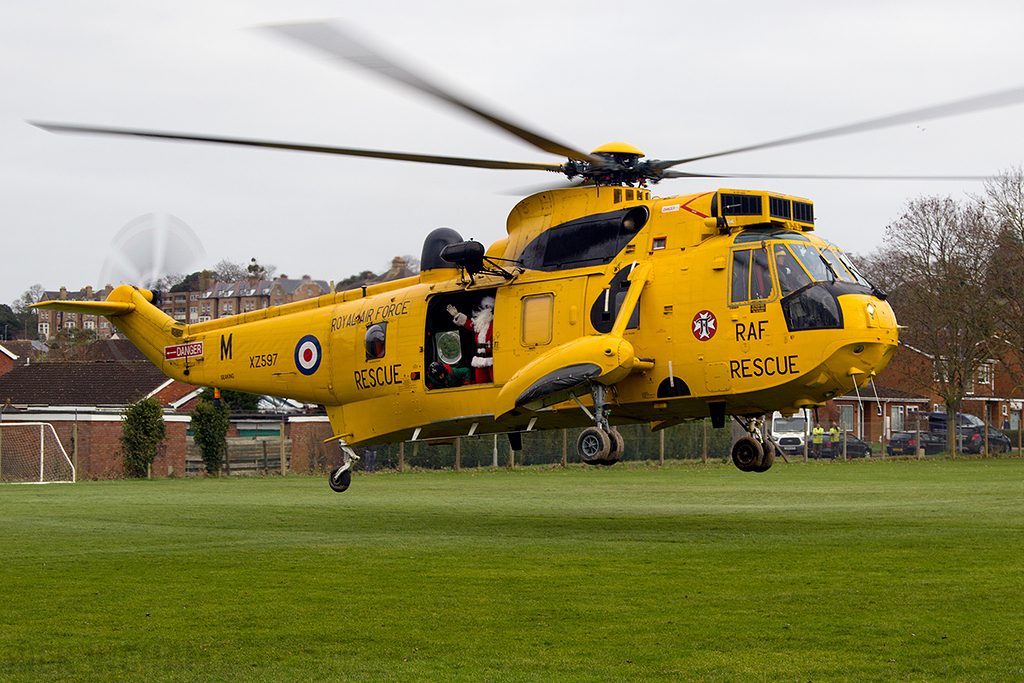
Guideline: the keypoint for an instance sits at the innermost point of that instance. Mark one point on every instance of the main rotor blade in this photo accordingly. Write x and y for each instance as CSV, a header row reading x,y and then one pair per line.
x,y
321,149
1003,98
805,176
330,39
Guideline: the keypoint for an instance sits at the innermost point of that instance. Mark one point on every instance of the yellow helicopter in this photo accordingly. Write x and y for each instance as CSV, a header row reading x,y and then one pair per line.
x,y
604,305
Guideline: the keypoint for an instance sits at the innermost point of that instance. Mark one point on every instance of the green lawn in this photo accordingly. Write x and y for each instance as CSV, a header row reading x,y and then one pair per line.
x,y
859,571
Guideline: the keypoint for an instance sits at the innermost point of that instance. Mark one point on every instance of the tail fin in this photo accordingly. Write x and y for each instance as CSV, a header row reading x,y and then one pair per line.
x,y
131,311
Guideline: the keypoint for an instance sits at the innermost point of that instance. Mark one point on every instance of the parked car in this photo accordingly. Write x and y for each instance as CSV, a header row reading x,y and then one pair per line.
x,y
855,448
974,440
906,443
938,422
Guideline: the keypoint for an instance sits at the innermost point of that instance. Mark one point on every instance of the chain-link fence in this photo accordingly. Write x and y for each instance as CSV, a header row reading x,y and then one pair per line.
x,y
690,441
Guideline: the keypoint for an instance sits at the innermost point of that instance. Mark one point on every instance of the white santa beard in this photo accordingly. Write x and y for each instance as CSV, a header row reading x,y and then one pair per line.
x,y
482,320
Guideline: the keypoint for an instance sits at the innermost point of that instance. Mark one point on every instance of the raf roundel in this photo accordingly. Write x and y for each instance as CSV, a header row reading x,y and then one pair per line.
x,y
704,325
307,355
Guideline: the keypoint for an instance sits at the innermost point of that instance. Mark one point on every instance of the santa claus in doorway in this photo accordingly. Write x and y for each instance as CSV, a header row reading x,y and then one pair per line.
x,y
482,324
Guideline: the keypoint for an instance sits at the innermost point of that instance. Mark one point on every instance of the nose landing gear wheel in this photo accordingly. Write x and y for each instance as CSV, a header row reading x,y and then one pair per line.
x,y
594,445
747,454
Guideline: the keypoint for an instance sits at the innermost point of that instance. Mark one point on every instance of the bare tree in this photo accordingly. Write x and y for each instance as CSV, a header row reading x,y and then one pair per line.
x,y
28,317
935,264
1003,202
229,271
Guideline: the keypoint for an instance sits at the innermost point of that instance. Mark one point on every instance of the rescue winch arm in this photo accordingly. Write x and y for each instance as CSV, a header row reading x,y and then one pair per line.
x,y
639,276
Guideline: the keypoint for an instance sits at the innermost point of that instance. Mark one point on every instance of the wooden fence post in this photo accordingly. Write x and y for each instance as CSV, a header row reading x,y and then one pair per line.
x,y
284,466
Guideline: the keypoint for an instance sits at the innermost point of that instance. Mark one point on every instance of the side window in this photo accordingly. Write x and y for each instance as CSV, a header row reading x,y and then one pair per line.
x,y
537,314
760,276
375,338
751,275
449,347
740,274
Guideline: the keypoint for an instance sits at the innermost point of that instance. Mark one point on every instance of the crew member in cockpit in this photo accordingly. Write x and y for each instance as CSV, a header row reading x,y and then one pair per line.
x,y
791,276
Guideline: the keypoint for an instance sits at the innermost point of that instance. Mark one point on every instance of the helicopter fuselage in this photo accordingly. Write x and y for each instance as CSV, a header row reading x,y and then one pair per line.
x,y
714,304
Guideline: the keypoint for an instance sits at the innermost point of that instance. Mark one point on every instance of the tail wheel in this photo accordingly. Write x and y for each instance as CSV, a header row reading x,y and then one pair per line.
x,y
767,460
340,479
594,445
747,454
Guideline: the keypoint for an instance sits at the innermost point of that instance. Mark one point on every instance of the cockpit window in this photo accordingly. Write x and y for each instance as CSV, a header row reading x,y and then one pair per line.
x,y
792,275
837,266
795,265
751,275
860,279
841,264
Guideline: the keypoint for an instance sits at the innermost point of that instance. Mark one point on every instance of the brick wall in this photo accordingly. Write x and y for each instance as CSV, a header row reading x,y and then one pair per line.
x,y
309,452
99,446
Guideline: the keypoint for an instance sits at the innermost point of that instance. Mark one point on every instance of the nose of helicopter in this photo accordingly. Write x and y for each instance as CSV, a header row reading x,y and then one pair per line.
x,y
850,362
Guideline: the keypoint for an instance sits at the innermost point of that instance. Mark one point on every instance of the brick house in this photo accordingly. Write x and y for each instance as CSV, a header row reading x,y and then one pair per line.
x,y
217,301
875,412
990,393
908,385
83,401
231,298
51,321
7,360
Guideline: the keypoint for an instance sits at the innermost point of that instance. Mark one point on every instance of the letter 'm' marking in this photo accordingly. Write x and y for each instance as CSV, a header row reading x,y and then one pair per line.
x,y
225,347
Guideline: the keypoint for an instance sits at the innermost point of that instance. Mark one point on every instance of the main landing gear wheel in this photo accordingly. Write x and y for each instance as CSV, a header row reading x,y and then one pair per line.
x,y
594,445
748,454
340,479
767,459
618,447
600,445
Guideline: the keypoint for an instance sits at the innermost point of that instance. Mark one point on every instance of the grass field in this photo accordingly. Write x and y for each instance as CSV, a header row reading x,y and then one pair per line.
x,y
860,571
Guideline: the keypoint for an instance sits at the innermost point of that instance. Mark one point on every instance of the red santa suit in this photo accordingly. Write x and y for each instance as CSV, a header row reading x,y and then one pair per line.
x,y
482,324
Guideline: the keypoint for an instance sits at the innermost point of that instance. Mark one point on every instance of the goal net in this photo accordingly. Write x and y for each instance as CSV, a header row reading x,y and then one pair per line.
x,y
30,452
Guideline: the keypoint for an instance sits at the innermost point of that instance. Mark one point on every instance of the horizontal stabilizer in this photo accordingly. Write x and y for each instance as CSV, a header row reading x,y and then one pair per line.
x,y
107,308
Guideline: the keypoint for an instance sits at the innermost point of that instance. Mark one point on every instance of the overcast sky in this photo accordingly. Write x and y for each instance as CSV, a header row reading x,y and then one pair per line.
x,y
674,78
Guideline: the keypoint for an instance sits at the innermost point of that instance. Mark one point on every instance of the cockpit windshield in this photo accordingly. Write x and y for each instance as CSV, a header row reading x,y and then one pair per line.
x,y
798,265
841,264
795,263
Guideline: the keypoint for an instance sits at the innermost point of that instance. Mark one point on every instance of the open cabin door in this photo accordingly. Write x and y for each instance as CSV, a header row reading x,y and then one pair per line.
x,y
458,339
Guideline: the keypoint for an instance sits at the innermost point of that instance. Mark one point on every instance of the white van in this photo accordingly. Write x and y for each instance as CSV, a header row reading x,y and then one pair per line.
x,y
789,433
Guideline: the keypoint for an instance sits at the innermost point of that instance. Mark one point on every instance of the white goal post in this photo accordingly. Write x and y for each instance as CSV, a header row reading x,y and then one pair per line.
x,y
31,453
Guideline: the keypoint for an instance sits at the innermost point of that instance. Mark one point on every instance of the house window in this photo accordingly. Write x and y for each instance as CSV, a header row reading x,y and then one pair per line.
x,y
90,324
846,417
44,329
984,375
897,418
